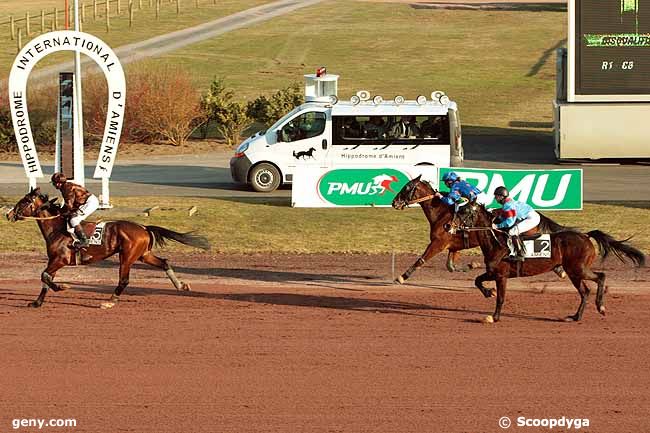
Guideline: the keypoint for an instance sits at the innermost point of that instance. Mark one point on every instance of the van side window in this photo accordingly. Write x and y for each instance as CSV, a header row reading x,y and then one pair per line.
x,y
385,130
307,125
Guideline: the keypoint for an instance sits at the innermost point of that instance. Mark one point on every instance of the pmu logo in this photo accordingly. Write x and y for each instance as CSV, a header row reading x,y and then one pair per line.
x,y
542,189
361,187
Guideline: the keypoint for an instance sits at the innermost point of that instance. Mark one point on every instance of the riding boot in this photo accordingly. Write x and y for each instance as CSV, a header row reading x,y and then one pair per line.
x,y
82,239
516,249
511,246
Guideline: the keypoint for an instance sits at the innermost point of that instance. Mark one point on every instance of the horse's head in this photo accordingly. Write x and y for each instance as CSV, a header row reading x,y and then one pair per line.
x,y
29,206
471,214
414,191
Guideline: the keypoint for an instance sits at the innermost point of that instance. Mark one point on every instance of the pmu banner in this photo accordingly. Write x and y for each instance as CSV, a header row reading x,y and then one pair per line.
x,y
542,189
354,185
103,55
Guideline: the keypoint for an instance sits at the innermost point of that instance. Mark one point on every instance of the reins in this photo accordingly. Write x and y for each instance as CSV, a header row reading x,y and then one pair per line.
x,y
39,218
421,199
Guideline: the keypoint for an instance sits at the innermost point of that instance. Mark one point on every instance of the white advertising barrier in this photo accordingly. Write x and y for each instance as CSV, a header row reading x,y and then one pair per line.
x,y
107,60
354,186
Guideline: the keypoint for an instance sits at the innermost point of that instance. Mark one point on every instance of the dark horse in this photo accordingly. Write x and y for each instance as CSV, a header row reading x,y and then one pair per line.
x,y
440,215
570,248
132,241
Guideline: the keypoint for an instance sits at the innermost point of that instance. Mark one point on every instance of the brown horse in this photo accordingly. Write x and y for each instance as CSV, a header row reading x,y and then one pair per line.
x,y
440,216
132,241
572,249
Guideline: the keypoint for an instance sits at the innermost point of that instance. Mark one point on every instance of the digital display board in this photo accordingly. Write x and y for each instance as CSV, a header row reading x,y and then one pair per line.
x,y
609,50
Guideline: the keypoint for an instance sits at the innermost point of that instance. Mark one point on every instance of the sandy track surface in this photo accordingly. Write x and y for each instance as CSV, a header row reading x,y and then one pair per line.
x,y
317,344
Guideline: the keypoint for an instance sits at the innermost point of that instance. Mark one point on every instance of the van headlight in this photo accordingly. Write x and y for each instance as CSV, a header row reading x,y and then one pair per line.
x,y
241,149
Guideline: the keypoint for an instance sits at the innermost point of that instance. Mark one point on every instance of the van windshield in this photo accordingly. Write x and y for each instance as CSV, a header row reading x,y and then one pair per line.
x,y
361,130
277,124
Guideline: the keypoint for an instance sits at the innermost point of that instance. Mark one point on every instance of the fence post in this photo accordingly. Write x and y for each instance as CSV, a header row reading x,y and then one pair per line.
x,y
94,10
20,39
42,20
130,13
108,18
83,12
12,27
196,3
157,9
139,4
119,7
27,20
178,7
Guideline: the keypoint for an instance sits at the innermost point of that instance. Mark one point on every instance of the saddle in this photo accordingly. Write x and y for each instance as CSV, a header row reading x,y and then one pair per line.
x,y
89,228
81,257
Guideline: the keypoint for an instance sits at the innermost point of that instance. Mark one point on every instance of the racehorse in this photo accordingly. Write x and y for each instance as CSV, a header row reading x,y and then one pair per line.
x,y
440,216
132,241
570,248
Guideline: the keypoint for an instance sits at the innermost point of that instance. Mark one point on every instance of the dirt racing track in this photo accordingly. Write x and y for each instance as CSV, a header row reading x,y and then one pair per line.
x,y
318,344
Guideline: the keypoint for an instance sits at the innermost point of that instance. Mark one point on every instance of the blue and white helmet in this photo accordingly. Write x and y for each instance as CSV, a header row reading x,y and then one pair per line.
x,y
450,177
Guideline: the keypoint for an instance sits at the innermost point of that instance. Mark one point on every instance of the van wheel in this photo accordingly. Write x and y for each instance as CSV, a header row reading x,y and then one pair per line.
x,y
265,178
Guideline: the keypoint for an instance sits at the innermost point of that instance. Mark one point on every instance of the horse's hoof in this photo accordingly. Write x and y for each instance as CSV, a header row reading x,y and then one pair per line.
x,y
63,287
399,280
601,310
488,319
493,293
106,305
34,304
186,287
570,319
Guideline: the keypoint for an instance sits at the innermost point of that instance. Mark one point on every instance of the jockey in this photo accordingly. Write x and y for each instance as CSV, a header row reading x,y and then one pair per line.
x,y
515,216
459,189
78,203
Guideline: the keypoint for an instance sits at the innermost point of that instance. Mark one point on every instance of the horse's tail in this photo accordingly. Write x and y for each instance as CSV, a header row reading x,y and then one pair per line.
x,y
621,249
161,235
547,225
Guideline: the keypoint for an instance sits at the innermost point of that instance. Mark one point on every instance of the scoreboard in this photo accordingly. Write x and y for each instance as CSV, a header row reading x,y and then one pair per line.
x,y
609,51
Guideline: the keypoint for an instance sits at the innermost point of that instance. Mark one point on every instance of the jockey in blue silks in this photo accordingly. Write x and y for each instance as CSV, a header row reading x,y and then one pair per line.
x,y
516,217
459,189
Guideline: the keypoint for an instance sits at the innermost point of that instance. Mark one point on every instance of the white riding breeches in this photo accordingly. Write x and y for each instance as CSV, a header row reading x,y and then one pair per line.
x,y
91,205
531,221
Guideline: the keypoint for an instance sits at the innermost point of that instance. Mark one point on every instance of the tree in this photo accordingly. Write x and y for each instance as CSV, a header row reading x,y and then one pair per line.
x,y
161,104
267,111
230,117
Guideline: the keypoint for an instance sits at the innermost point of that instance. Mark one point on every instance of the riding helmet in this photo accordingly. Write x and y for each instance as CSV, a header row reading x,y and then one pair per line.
x,y
58,178
501,190
450,177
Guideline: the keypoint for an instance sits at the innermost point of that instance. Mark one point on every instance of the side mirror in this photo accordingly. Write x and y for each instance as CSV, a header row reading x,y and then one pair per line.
x,y
278,135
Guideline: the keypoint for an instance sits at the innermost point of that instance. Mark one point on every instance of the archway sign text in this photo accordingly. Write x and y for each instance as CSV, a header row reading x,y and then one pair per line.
x,y
104,56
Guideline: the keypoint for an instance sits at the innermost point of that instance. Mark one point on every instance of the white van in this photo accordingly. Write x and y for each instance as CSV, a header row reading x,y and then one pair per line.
x,y
337,133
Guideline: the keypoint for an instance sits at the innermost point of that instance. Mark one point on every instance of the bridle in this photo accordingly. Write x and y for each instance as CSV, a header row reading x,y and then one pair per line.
x,y
411,201
460,223
19,211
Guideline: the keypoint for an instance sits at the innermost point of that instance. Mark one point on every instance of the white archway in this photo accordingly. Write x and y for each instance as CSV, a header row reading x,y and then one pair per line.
x,y
106,59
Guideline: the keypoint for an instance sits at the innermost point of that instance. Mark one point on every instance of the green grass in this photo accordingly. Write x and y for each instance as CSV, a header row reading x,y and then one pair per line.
x,y
499,66
272,226
146,25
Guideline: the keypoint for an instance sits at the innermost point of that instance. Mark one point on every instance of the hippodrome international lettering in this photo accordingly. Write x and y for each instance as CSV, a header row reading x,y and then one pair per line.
x,y
64,42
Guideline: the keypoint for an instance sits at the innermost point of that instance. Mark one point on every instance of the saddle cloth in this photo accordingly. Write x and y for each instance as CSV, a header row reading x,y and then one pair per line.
x,y
538,248
94,231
